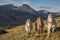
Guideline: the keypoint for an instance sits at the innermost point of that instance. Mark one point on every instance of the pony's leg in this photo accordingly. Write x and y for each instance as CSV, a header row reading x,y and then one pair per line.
x,y
37,28
48,33
34,28
27,33
39,31
53,28
46,26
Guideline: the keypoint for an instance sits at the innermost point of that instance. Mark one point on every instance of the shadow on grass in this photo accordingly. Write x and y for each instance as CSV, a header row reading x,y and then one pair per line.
x,y
57,29
3,32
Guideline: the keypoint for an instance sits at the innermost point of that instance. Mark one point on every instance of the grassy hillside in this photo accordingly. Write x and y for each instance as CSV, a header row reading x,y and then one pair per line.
x,y
18,33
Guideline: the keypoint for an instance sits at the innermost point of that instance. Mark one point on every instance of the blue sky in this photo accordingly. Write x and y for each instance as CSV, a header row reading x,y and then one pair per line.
x,y
51,5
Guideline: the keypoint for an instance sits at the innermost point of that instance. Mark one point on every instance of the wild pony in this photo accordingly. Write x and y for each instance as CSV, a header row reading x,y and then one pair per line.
x,y
28,27
39,25
51,24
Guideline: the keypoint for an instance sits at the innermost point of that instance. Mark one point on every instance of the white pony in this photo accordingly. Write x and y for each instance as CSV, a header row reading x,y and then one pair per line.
x,y
51,24
28,27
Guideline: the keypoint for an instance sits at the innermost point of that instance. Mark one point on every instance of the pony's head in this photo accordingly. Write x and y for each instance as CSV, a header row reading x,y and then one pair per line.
x,y
50,15
28,20
38,17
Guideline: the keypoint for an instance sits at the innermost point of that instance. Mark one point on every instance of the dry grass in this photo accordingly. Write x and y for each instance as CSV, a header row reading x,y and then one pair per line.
x,y
18,33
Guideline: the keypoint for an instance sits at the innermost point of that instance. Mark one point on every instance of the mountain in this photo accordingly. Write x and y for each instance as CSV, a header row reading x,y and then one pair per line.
x,y
11,15
57,14
27,8
44,13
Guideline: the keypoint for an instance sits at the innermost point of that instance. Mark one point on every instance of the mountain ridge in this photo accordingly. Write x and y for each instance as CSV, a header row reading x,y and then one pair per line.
x,y
11,15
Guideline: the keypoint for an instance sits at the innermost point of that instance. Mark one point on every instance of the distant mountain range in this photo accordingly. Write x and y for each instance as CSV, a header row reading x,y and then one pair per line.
x,y
11,15
44,13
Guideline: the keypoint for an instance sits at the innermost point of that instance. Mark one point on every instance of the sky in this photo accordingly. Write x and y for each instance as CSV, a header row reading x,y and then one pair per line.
x,y
50,5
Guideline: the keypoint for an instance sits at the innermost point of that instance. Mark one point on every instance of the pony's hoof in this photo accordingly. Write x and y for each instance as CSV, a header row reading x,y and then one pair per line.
x,y
27,36
48,36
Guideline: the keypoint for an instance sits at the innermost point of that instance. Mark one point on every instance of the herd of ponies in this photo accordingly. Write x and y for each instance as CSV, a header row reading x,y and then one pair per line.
x,y
39,25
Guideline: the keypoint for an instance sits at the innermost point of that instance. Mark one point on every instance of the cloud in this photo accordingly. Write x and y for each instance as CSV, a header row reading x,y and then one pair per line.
x,y
45,7
19,0
25,2
49,8
6,1
14,2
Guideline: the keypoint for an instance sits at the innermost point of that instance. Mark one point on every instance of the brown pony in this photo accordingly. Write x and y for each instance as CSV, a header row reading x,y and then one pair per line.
x,y
39,25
